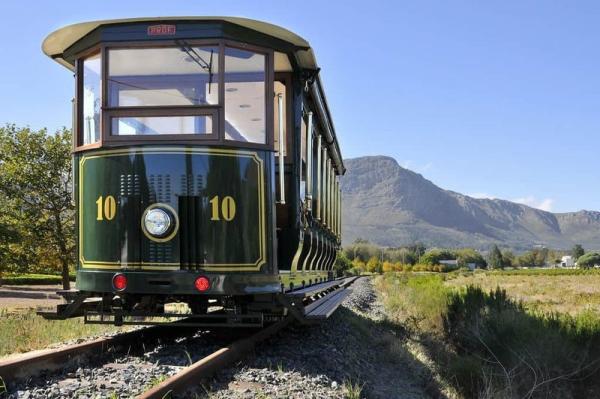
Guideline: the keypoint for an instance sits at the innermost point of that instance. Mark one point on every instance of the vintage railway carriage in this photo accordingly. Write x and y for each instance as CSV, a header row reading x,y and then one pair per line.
x,y
205,166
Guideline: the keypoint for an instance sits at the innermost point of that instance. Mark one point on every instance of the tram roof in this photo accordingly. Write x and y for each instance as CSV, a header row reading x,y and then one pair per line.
x,y
62,39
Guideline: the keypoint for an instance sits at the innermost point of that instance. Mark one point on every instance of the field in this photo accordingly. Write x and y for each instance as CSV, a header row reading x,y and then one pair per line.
x,y
564,292
503,334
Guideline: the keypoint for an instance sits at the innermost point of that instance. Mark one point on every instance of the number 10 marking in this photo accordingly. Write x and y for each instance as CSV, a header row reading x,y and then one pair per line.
x,y
107,209
227,209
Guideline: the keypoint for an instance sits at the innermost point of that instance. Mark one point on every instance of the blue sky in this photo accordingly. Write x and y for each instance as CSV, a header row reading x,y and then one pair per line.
x,y
497,98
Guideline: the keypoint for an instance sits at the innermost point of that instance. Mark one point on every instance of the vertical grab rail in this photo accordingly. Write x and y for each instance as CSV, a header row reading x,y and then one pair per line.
x,y
319,195
327,181
281,148
309,161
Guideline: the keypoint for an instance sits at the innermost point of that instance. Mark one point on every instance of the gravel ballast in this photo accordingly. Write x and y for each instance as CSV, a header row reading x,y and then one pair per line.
x,y
335,359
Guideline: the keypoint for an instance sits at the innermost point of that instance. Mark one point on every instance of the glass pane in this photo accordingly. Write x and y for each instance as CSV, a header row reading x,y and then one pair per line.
x,y
92,99
244,96
163,76
154,125
279,89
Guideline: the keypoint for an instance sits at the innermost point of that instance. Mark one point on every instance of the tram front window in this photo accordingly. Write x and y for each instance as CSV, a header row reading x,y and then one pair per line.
x,y
153,125
169,76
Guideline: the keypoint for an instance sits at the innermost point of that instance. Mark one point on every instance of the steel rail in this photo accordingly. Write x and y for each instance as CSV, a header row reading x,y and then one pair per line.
x,y
207,366
27,364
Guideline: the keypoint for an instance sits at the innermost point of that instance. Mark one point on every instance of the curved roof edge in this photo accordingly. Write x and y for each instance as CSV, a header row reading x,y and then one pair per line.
x,y
60,40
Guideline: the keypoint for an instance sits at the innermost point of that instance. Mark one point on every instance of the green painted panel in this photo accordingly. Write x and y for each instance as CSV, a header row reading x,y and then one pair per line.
x,y
217,194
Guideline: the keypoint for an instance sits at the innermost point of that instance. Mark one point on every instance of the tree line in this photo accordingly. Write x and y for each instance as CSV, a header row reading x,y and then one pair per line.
x,y
361,256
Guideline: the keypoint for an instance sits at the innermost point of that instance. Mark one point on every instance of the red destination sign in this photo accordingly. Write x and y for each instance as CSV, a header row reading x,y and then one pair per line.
x,y
161,30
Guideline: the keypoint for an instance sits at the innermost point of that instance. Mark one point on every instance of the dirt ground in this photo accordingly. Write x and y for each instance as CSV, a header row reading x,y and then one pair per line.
x,y
28,296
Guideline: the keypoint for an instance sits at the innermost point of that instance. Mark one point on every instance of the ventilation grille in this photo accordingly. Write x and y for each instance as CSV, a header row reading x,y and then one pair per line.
x,y
192,186
160,188
160,253
130,185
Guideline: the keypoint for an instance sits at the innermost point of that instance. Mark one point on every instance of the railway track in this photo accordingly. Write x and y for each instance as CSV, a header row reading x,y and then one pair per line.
x,y
24,367
206,351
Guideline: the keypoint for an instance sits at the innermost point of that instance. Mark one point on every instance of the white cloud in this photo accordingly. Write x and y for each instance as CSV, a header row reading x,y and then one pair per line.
x,y
409,164
544,204
482,195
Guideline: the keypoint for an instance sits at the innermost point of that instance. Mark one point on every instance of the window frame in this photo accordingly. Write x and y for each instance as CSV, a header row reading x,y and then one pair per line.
x,y
216,111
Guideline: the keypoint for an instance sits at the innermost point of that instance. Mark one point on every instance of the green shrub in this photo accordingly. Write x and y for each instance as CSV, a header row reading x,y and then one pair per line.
x,y
519,353
32,279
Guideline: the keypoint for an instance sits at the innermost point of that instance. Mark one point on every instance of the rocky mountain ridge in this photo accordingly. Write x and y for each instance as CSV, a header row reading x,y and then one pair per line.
x,y
392,206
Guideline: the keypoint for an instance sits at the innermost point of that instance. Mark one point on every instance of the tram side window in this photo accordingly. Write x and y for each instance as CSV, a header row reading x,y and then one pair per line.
x,y
245,104
303,133
92,100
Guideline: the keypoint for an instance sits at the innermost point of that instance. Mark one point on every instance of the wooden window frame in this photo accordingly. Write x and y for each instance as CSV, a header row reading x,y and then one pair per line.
x,y
216,111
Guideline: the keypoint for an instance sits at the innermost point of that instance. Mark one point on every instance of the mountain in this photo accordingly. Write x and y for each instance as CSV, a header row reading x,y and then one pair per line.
x,y
391,206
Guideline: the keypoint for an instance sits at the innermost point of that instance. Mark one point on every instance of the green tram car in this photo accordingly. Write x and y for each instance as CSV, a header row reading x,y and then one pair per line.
x,y
206,171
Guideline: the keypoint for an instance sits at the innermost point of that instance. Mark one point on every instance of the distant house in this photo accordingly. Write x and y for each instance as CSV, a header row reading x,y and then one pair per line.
x,y
453,263
567,261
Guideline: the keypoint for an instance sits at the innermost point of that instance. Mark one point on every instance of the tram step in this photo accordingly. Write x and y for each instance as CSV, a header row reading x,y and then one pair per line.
x,y
324,307
313,289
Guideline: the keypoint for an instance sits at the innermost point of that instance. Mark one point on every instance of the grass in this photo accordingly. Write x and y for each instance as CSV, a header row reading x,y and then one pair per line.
x,y
421,303
25,331
156,381
352,390
487,343
550,290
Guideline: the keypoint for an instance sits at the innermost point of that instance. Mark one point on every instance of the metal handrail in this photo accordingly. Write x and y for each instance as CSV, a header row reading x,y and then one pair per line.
x,y
309,161
281,148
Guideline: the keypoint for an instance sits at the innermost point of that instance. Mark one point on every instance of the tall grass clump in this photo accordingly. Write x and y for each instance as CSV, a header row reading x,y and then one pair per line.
x,y
417,301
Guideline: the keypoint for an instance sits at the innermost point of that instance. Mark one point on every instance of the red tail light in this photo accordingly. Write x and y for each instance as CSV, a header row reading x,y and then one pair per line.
x,y
119,282
202,284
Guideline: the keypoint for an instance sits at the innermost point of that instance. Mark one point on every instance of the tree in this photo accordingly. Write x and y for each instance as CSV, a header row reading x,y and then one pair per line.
x,y
374,265
342,264
359,266
588,260
435,255
495,260
577,251
35,182
387,267
468,256
508,258
418,249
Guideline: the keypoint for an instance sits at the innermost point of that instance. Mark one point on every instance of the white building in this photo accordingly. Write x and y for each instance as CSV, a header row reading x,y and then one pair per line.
x,y
567,261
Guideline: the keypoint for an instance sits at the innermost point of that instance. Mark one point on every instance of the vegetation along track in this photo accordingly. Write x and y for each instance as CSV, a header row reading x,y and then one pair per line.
x,y
149,362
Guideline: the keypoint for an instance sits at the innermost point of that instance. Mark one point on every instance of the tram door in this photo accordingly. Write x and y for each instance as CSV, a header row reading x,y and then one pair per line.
x,y
285,203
